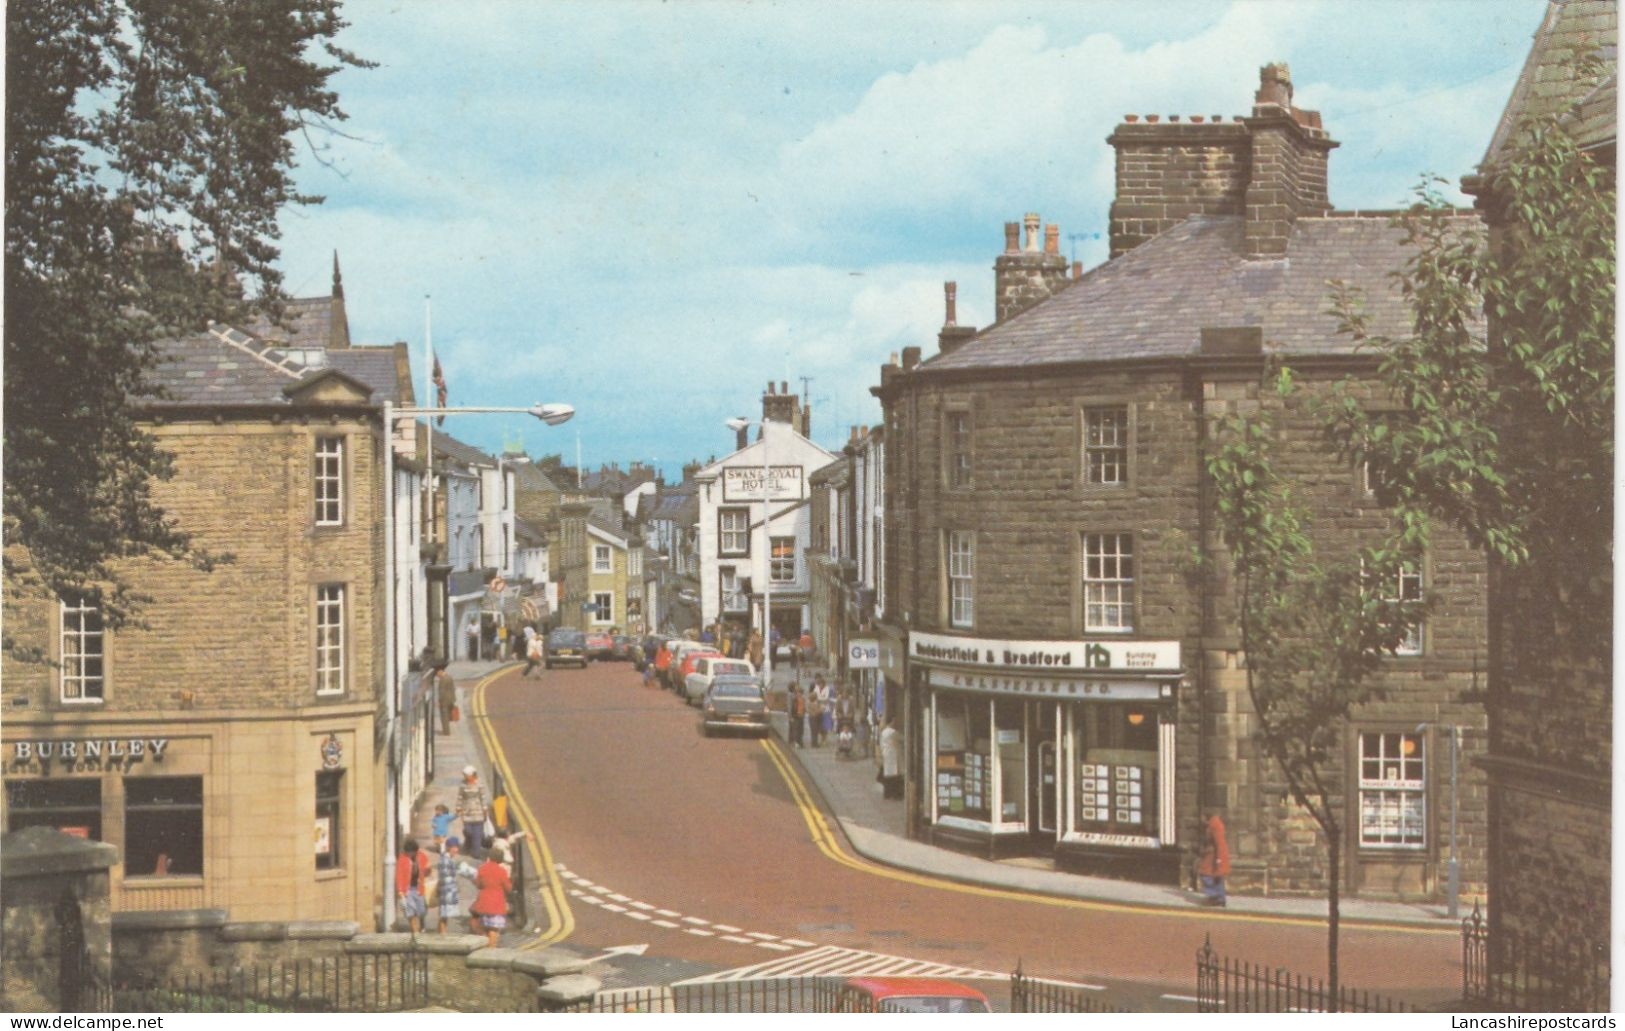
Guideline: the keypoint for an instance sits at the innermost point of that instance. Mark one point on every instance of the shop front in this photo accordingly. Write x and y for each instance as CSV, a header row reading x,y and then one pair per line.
x,y
1063,748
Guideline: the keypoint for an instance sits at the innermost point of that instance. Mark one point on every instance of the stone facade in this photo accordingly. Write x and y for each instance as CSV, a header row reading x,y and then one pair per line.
x,y
55,918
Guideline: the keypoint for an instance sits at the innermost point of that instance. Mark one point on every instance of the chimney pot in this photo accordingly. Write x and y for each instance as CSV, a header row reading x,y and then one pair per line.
x,y
949,292
784,386
1012,237
1077,270
911,357
1153,119
1173,118
1032,221
1196,119
1274,85
894,357
1131,119
1215,118
1052,239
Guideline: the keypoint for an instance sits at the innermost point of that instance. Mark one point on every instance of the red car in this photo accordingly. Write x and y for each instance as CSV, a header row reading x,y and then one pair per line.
x,y
600,646
909,995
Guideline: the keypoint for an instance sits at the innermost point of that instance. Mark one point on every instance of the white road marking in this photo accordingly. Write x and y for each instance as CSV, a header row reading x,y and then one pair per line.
x,y
643,905
695,920
831,960
591,900
638,916
725,927
613,908
664,923
798,943
619,898
774,946
667,912
1182,998
736,938
702,932
764,937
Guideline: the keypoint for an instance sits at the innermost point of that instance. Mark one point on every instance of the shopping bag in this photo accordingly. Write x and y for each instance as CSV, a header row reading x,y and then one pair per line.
x,y
456,714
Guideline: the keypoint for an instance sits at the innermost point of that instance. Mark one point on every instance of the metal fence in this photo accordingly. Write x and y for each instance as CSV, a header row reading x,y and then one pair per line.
x,y
346,983
1224,985
777,995
1504,971
1036,995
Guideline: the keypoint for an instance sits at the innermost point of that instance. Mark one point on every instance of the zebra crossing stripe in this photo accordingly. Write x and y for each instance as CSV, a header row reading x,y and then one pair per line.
x,y
725,927
613,908
833,960
663,923
702,932
773,945
798,943
737,938
638,916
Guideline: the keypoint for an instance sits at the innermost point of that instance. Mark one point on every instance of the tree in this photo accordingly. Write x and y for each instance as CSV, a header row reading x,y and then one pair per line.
x,y
148,145
1315,622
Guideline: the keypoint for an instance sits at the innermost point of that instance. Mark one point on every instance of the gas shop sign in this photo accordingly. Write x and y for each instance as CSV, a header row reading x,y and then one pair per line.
x,y
747,483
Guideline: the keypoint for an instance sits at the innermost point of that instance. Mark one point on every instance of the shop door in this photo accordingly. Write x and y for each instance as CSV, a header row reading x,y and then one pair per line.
x,y
1045,781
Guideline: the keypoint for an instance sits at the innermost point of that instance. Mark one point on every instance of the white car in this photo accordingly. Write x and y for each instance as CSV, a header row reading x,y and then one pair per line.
x,y
706,669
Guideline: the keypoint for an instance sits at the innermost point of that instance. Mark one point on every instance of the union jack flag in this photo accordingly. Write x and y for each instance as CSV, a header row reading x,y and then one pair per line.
x,y
439,391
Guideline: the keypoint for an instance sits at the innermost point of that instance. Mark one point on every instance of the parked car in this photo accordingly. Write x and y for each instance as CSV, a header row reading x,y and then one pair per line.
x,y
566,645
734,701
908,995
681,649
625,646
706,669
600,645
683,665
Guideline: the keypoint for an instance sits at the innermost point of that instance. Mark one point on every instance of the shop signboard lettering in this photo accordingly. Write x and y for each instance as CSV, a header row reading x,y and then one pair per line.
x,y
1057,656
120,749
863,654
747,483
1043,687
1121,840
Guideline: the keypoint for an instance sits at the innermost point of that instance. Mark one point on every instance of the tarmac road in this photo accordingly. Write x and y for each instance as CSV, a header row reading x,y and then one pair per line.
x,y
715,853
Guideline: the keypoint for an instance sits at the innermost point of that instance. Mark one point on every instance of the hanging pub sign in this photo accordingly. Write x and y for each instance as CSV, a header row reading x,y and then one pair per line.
x,y
747,483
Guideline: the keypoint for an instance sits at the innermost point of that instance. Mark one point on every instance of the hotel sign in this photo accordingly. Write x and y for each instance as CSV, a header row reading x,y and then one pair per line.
x,y
746,483
983,653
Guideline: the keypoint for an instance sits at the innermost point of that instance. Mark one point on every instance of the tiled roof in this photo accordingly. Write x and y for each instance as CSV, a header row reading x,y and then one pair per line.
x,y
308,322
222,366
448,446
1550,80
526,531
531,477
374,366
1154,301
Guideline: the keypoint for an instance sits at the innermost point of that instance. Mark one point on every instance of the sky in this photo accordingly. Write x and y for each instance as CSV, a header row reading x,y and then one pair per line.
x,y
650,210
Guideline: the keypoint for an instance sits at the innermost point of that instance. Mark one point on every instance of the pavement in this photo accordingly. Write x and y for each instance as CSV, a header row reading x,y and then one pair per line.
x,y
875,828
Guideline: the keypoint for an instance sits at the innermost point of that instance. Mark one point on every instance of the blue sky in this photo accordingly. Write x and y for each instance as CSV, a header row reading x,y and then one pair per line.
x,y
649,210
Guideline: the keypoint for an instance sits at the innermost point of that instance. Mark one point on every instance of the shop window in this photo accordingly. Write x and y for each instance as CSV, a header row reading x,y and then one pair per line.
x,y
73,806
961,578
163,826
1108,581
733,531
329,481
600,559
82,673
1393,791
329,818
964,758
783,568
330,639
1116,781
957,465
1009,723
1105,445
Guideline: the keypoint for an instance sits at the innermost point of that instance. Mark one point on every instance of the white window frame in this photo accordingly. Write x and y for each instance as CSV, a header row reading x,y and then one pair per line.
x,y
603,608
961,565
778,564
1391,784
733,541
602,560
728,583
327,472
329,639
1106,439
957,431
78,644
1412,586
1108,582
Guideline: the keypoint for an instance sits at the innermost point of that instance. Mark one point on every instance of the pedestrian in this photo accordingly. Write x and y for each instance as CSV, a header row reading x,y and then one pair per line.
x,y
651,653
441,822
448,868
891,761
471,810
473,633
411,871
796,708
445,696
533,652
490,910
817,710
805,646
1214,866
755,649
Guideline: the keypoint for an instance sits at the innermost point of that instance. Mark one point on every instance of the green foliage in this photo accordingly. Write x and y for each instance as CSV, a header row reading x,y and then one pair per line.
x,y
145,142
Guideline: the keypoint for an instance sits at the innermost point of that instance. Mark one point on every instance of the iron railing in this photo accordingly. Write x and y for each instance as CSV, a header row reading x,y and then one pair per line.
x,y
1224,985
1037,995
1509,972
345,983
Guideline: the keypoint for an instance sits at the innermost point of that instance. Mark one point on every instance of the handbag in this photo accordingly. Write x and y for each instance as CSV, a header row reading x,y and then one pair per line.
x,y
490,829
456,713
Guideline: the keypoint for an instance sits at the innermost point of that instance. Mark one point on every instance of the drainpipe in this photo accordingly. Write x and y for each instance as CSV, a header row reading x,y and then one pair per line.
x,y
1204,500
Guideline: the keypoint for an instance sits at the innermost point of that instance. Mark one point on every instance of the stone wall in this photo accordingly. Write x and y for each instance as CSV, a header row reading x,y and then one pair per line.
x,y
53,880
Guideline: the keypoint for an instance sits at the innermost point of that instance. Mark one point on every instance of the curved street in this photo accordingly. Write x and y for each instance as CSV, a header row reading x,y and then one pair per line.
x,y
715,853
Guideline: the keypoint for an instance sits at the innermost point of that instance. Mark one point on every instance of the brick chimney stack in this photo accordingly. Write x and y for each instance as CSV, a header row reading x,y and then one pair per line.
x,y
952,336
1288,164
1022,278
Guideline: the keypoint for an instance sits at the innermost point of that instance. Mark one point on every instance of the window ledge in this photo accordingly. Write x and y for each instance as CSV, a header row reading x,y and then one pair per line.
x,y
140,881
332,875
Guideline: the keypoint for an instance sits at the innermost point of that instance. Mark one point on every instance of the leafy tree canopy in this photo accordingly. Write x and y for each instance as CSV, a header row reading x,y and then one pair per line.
x,y
148,143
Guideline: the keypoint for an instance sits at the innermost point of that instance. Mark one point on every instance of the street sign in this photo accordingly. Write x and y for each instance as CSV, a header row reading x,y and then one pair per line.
x,y
863,654
527,611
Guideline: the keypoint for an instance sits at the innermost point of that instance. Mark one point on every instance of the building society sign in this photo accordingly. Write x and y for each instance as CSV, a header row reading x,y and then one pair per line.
x,y
130,748
746,483
1049,656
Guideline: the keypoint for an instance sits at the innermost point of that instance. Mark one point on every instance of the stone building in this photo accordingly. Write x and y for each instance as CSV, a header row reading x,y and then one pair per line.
x,y
1074,682
1550,755
231,748
600,590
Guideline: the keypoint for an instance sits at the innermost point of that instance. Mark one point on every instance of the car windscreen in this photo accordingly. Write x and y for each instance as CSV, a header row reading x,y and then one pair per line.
x,y
723,689
566,637
931,1004
718,668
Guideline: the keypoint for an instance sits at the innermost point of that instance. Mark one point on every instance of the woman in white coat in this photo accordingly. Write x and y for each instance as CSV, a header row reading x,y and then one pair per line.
x,y
891,761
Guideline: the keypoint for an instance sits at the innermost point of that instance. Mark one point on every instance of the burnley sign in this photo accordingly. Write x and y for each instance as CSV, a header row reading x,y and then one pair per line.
x,y
746,483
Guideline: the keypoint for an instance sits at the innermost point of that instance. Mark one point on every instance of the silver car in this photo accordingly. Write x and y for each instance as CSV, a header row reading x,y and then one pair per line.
x,y
708,668
734,701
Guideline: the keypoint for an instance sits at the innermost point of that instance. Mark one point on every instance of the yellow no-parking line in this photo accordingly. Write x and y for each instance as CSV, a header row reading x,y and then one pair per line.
x,y
561,922
829,844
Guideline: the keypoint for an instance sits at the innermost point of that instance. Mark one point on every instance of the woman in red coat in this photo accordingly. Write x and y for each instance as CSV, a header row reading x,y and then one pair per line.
x,y
1215,864
490,909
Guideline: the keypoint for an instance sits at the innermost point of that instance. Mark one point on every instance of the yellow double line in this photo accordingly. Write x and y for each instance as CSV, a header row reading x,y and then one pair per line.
x,y
561,923
829,844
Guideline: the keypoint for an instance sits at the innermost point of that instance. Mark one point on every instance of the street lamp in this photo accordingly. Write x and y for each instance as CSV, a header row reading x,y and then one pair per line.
x,y
1453,868
553,415
739,425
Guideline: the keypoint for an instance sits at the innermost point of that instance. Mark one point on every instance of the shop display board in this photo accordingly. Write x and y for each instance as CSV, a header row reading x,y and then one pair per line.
x,y
1112,793
964,782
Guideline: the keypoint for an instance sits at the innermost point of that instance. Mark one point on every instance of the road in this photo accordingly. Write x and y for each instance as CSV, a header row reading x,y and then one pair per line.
x,y
713,852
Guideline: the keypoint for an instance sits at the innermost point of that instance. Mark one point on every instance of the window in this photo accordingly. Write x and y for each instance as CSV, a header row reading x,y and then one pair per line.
x,y
163,826
73,806
603,607
1108,581
957,433
329,818
961,578
634,563
880,566
1115,785
1393,791
964,757
733,531
1105,445
733,599
82,674
600,559
329,481
330,639
782,570
1410,589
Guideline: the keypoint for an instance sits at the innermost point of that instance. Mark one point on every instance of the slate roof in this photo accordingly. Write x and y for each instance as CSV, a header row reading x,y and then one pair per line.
x,y
1550,82
526,532
449,447
1154,301
221,366
374,366
531,477
308,323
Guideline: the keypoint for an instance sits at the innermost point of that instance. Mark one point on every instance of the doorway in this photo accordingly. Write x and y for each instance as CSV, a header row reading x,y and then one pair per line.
x,y
1044,783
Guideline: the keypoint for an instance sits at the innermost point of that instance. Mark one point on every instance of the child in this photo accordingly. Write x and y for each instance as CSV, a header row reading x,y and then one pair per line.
x,y
442,825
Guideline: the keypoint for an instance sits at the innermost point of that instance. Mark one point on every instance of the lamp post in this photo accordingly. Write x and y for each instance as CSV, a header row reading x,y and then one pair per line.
x,y
1453,867
737,425
553,415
